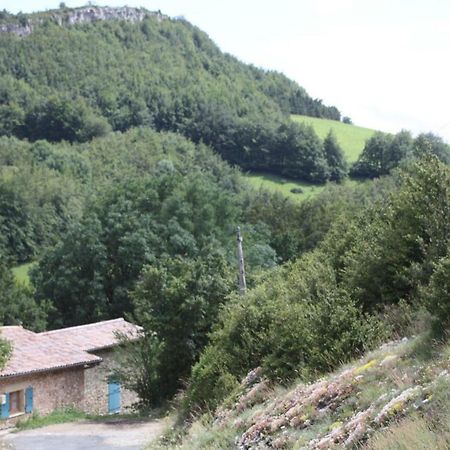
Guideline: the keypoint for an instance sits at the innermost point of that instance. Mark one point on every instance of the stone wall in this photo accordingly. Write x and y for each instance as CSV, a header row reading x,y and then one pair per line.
x,y
96,386
51,390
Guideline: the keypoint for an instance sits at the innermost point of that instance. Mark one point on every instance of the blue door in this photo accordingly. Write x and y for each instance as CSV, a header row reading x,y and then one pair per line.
x,y
29,400
113,397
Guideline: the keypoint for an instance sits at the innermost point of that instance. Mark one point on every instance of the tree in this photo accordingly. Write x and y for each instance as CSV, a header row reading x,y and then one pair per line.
x,y
71,277
399,149
429,143
347,120
17,306
17,239
395,245
61,118
177,301
335,158
370,161
436,296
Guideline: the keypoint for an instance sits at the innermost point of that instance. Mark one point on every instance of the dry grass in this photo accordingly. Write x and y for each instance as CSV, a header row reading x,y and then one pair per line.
x,y
412,433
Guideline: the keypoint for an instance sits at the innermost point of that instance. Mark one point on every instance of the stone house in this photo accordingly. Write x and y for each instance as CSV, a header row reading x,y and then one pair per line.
x,y
70,367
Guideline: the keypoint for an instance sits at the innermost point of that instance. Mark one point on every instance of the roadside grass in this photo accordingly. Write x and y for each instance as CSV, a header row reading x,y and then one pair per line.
x,y
22,273
350,137
70,415
58,416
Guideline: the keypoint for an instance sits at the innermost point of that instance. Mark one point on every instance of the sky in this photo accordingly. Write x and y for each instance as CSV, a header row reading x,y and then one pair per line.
x,y
383,63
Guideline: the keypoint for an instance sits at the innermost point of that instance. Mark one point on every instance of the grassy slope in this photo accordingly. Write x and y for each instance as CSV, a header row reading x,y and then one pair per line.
x,y
21,273
403,385
351,137
284,185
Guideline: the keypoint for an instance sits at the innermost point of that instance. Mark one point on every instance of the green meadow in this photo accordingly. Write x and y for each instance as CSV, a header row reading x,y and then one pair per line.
x,y
285,185
22,273
350,137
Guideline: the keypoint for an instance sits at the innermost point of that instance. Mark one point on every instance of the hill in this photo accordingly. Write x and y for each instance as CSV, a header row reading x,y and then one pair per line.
x,y
76,74
350,137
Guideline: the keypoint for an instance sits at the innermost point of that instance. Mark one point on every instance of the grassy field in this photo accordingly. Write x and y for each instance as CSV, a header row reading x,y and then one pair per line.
x,y
284,185
350,137
21,273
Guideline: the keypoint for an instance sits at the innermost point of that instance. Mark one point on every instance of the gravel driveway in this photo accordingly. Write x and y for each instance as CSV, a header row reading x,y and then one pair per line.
x,y
110,435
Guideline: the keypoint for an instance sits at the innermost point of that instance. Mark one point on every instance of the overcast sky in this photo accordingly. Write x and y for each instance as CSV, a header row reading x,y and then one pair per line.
x,y
384,63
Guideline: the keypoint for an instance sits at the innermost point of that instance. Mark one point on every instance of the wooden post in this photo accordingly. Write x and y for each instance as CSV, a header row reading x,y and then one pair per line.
x,y
242,282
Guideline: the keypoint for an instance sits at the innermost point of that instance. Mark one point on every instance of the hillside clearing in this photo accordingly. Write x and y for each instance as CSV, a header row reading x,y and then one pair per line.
x,y
350,137
22,273
285,185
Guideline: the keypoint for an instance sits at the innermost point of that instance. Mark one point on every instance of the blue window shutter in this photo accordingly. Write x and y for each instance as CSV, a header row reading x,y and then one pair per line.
x,y
29,400
5,408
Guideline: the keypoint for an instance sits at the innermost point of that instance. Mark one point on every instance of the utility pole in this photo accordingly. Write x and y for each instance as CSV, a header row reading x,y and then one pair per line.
x,y
242,282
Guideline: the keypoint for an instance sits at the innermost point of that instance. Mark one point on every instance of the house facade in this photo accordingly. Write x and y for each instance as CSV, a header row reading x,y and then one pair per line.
x,y
70,367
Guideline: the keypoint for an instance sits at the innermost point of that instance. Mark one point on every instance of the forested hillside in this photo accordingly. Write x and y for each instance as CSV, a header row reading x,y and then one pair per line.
x,y
72,79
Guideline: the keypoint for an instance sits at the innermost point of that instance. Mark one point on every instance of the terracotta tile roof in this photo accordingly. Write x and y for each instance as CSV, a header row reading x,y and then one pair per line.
x,y
67,347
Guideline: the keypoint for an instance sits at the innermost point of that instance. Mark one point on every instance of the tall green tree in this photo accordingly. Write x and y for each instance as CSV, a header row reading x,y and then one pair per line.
x,y
177,301
334,155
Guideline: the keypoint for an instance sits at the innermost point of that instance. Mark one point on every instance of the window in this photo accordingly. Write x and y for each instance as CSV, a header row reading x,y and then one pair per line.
x,y
16,402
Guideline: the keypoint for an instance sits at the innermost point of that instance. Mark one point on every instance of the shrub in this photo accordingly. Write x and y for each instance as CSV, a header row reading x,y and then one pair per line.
x,y
296,323
437,295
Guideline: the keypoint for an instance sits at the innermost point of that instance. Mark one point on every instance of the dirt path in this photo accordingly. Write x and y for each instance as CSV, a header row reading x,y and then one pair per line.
x,y
110,435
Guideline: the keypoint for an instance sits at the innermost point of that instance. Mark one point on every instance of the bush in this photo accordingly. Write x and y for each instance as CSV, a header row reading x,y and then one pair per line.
x,y
295,324
437,295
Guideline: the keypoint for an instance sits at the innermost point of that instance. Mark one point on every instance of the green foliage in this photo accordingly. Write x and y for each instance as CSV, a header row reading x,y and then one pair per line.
x,y
395,246
177,301
296,323
296,228
153,200
17,305
315,313
293,99
60,118
335,158
436,295
37,202
69,83
383,152
139,369
351,138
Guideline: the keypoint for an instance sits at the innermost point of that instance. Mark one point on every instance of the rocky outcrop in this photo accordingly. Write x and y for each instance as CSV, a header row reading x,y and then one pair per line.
x,y
87,14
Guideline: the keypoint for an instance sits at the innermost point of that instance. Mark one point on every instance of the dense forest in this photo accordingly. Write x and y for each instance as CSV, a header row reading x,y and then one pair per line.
x,y
74,83
121,149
